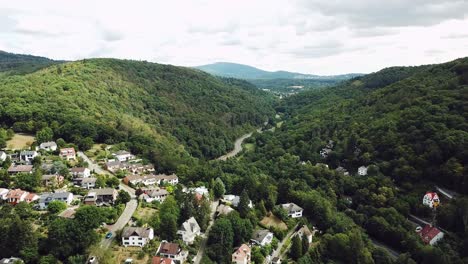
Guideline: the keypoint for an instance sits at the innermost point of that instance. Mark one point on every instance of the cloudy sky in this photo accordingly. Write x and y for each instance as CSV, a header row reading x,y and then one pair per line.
x,y
310,36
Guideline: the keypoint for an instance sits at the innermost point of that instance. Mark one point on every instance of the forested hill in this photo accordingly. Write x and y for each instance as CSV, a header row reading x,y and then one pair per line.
x,y
161,111
11,63
411,122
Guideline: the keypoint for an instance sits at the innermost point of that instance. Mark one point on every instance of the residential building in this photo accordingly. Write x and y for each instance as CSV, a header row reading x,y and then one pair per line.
x,y
293,210
156,194
172,251
161,260
241,255
234,200
28,155
11,260
46,198
86,183
136,236
275,260
113,166
80,172
431,199
189,231
146,180
52,180
223,210
362,171
15,169
305,233
123,155
105,196
48,146
3,156
16,196
68,153
262,237
167,179
430,234
3,194
325,152
342,171
202,190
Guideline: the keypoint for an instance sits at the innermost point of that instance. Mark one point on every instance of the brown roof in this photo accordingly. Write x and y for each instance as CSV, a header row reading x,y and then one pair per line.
x,y
136,231
161,260
20,168
169,248
15,194
428,233
166,177
78,169
242,251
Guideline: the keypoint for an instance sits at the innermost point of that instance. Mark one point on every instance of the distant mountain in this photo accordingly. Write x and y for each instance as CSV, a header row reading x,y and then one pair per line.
x,y
21,64
228,69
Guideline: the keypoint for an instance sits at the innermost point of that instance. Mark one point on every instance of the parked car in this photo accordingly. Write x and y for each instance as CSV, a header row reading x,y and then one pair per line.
x,y
109,235
92,260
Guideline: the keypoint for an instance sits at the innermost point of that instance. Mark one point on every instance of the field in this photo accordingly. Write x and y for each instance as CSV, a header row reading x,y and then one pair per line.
x,y
249,147
274,221
123,253
20,141
144,214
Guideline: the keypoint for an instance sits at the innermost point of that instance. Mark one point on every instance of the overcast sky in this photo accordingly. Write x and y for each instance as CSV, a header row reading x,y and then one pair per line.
x,y
309,36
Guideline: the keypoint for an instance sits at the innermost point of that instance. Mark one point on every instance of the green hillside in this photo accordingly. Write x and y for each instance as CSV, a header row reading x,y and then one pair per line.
x,y
11,63
153,107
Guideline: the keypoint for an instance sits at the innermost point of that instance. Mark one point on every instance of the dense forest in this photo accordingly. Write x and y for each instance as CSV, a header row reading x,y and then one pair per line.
x,y
21,64
163,112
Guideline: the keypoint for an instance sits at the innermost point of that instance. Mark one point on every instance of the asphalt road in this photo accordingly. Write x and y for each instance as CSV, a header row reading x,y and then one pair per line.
x,y
202,248
277,251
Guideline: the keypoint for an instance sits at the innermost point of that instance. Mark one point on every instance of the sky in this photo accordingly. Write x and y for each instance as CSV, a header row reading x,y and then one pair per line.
x,y
308,36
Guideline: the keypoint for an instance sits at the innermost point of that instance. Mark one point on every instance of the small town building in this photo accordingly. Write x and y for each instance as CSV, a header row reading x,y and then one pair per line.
x,y
17,195
136,236
234,200
3,194
262,237
156,194
46,198
293,210
15,169
104,196
11,260
189,231
241,255
146,180
48,146
123,155
3,156
305,233
167,179
223,210
172,251
28,156
161,260
80,172
431,199
68,153
53,180
86,183
430,234
362,171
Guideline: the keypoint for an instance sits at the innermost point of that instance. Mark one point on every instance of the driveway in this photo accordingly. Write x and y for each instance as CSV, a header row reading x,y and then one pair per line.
x,y
126,215
202,248
277,251
92,166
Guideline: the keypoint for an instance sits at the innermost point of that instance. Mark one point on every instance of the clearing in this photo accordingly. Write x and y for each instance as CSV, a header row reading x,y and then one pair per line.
x,y
123,253
274,221
144,213
20,141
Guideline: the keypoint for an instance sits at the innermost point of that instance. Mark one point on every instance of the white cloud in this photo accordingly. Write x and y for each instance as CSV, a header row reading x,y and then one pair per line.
x,y
311,36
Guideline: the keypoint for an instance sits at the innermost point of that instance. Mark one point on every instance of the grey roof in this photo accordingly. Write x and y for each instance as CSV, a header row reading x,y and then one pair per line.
x,y
78,169
112,163
122,152
10,260
53,196
136,231
27,152
291,207
88,180
190,225
260,234
103,191
20,168
156,192
48,144
48,176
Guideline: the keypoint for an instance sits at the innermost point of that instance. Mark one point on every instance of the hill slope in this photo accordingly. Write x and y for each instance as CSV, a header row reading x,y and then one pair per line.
x,y
410,122
11,63
152,107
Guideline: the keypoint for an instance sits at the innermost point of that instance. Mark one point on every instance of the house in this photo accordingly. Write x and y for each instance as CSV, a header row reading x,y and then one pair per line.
x,y
293,210
68,153
305,233
3,156
430,234
189,231
15,169
223,210
362,171
86,183
202,190
123,155
168,179
3,194
241,255
145,180
80,172
325,152
28,155
342,171
136,236
161,260
52,179
104,196
275,260
46,198
157,194
16,196
431,199
172,251
113,166
48,146
11,260
234,200
262,237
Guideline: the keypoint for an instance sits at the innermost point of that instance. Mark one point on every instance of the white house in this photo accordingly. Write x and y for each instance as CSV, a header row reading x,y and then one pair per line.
x,y
15,169
68,153
172,251
3,156
234,200
46,198
136,236
146,180
305,233
28,155
48,146
11,260
80,172
241,255
169,179
262,237
189,231
18,195
157,194
431,199
430,234
123,155
88,183
362,171
3,194
293,210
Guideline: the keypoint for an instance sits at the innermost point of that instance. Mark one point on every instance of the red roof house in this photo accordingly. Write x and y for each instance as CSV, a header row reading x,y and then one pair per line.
x,y
430,234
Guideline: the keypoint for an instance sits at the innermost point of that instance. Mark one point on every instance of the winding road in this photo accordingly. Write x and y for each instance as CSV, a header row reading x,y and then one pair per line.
x,y
237,146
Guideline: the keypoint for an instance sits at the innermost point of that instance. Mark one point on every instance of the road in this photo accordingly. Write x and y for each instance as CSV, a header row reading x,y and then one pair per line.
x,y
393,253
202,248
237,146
448,193
277,251
422,222
130,207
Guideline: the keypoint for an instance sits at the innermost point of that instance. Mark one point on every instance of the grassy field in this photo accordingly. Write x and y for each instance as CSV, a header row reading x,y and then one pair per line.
x,y
249,147
274,221
20,141
144,213
123,253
